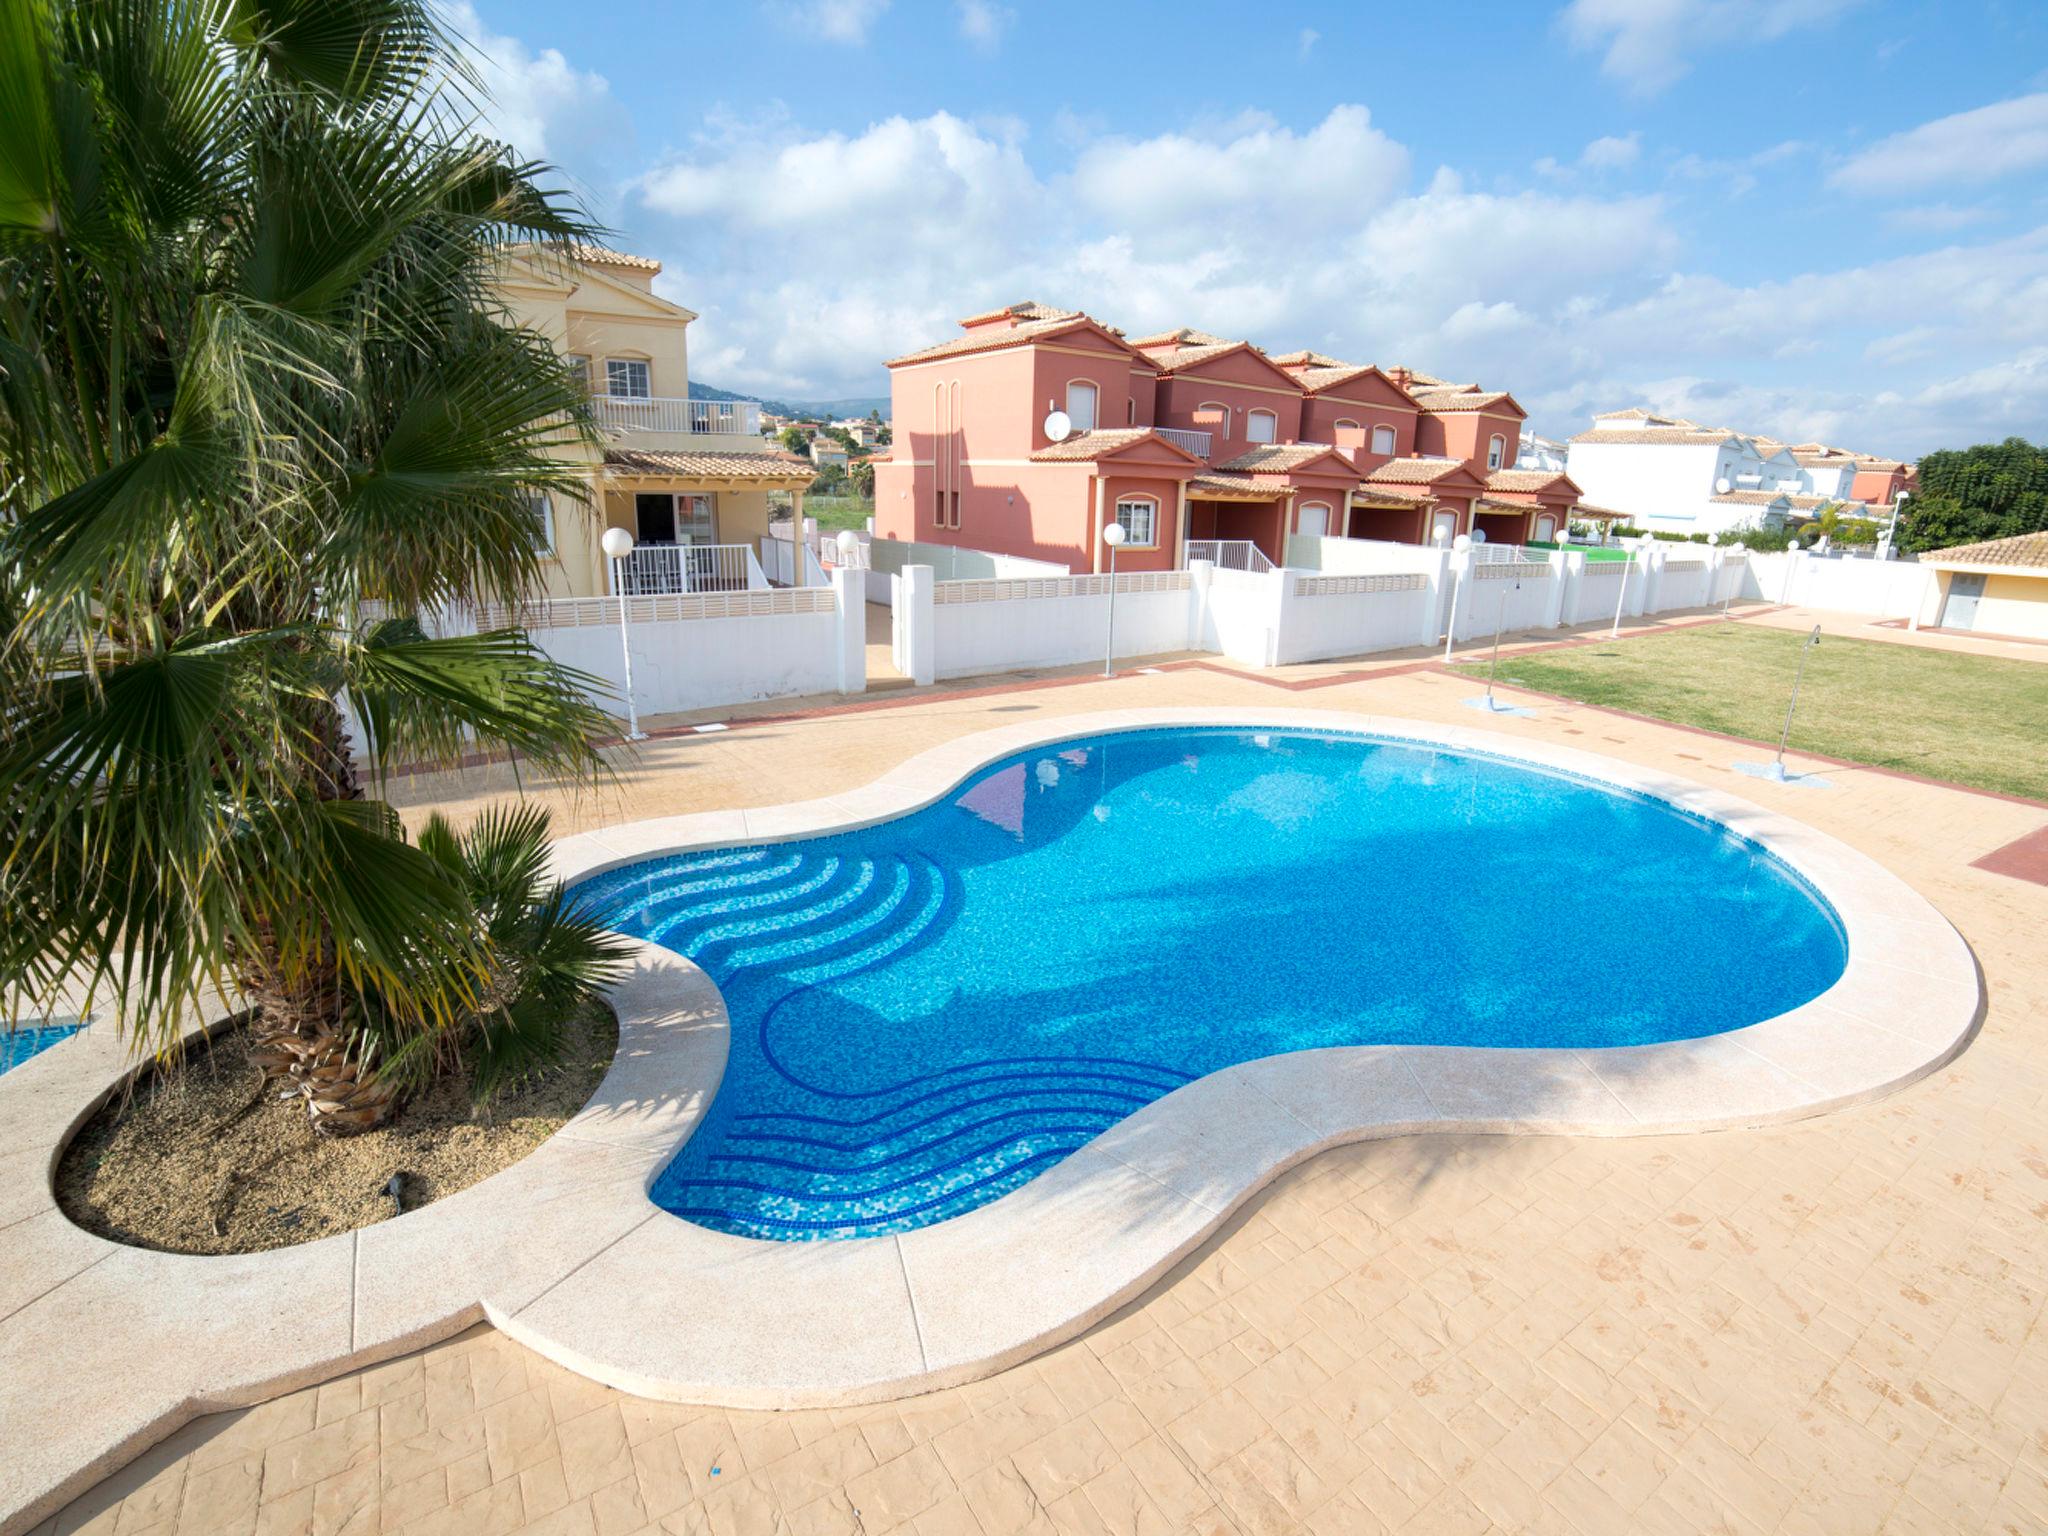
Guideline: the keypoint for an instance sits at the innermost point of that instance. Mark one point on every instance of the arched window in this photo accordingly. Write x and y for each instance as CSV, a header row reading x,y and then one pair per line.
x,y
1081,405
1140,517
1313,520
1210,416
1343,422
1261,427
1383,440
1496,451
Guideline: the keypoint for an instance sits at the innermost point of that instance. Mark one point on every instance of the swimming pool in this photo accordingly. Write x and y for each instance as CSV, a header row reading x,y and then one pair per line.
x,y
928,1012
18,1045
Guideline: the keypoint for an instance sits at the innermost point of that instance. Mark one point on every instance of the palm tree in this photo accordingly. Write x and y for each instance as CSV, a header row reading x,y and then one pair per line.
x,y
259,414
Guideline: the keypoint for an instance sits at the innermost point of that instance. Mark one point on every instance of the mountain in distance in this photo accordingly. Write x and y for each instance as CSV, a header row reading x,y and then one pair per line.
x,y
830,409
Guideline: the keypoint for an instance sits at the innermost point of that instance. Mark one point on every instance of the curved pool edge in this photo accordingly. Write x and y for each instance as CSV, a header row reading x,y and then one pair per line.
x,y
947,1303
566,1252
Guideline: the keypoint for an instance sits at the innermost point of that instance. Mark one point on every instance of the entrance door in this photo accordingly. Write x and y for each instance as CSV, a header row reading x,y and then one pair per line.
x,y
655,512
1313,520
1445,526
1964,590
1546,528
694,521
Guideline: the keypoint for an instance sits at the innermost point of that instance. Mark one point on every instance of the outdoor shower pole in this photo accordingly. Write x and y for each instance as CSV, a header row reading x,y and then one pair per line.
x,y
1621,597
1114,537
1499,625
1812,640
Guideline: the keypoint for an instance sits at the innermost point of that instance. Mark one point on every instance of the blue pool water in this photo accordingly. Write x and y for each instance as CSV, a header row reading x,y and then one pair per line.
x,y
927,1013
17,1045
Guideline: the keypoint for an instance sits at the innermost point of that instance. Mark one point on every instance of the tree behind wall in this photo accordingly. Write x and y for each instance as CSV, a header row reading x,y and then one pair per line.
x,y
1991,491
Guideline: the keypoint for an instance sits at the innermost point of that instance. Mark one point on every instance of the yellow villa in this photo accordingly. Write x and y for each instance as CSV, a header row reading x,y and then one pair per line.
x,y
689,479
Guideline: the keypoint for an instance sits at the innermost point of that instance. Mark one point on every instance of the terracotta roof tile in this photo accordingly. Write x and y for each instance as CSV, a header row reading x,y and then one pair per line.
x,y
1218,485
1084,446
995,337
2025,549
1277,458
707,466
1313,379
1413,471
1307,359
1030,309
1186,336
1751,498
1463,398
598,256
1523,479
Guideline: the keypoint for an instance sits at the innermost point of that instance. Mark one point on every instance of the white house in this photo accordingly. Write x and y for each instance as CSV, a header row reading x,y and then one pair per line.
x,y
1671,475
1540,453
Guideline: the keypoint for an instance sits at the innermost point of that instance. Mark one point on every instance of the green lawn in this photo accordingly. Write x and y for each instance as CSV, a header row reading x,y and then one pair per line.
x,y
836,512
1974,720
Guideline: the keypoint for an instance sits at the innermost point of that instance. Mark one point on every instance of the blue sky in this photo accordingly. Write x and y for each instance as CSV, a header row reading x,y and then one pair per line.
x,y
1819,218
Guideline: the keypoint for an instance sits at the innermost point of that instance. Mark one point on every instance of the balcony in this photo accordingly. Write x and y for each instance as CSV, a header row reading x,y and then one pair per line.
x,y
658,569
1196,443
644,413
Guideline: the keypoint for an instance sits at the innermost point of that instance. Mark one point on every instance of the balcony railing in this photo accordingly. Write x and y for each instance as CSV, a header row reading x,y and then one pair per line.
x,y
658,413
651,569
1196,443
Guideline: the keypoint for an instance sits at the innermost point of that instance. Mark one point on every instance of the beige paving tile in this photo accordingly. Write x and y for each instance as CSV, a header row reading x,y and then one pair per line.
x,y
1832,1325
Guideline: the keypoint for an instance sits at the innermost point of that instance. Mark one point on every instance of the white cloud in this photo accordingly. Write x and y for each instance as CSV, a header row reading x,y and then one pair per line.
x,y
1250,168
1975,146
813,257
836,21
1936,218
983,23
539,103
1648,44
1305,44
1611,153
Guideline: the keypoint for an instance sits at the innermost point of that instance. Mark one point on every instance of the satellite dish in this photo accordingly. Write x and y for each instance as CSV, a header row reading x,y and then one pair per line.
x,y
1058,427
1722,486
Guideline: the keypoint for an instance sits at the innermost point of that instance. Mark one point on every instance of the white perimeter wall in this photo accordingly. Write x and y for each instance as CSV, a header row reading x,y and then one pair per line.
x,y
1505,596
1001,625
1329,615
1878,589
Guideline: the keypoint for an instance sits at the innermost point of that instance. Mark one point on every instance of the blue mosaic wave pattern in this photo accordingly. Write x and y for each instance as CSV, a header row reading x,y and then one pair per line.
x,y
928,1013
18,1045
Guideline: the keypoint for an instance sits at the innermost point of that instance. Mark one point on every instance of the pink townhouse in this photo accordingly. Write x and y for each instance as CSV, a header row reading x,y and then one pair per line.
x,y
1186,436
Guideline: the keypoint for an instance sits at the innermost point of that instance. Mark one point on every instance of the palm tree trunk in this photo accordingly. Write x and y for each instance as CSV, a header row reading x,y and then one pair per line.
x,y
301,1029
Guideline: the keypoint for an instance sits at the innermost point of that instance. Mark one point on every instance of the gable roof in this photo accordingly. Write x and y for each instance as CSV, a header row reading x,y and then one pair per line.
x,y
1416,471
1181,359
2029,550
1029,309
1751,498
1103,443
1465,397
598,256
1186,336
996,337
1284,458
1525,479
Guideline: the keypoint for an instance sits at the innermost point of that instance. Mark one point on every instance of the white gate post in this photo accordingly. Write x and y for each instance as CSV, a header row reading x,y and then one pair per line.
x,y
916,625
1282,580
1201,578
1438,575
850,606
1564,574
1647,595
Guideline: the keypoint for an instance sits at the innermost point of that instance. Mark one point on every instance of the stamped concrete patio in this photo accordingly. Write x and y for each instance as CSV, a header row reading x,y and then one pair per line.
x,y
1828,1326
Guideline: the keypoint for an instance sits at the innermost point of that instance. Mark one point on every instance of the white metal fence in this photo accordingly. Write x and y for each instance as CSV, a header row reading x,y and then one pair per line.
x,y
663,568
1196,443
1230,555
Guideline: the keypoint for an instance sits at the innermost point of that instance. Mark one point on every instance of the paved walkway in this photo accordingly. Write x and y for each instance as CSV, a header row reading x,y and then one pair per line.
x,y
1828,1327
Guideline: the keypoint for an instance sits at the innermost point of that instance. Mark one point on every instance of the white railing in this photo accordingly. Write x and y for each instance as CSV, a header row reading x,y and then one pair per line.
x,y
658,413
660,568
1196,443
1230,555
1501,554
778,560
